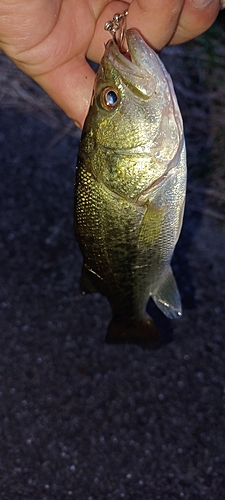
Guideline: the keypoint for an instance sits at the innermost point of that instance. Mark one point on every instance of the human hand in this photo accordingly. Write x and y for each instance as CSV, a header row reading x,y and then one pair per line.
x,y
50,40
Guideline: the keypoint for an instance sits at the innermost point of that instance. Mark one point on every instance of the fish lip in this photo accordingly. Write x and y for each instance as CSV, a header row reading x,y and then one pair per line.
x,y
131,36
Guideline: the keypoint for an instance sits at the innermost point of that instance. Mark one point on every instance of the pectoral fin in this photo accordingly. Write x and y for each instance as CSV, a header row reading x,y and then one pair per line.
x,y
151,225
166,296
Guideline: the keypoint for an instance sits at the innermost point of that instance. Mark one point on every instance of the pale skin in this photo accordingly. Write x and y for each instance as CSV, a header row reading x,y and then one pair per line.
x,y
50,39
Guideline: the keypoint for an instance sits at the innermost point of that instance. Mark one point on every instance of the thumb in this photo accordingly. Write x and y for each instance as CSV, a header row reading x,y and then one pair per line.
x,y
70,86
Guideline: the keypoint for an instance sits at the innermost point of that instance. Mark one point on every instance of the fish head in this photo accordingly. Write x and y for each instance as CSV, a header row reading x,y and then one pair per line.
x,y
133,102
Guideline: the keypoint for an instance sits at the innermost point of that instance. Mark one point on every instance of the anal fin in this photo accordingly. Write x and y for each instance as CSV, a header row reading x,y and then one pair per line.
x,y
166,296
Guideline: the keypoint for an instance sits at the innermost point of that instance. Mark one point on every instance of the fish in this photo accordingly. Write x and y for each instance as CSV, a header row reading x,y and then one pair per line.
x,y
130,189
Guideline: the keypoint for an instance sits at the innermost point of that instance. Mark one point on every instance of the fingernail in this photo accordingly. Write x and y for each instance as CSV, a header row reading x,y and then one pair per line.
x,y
201,4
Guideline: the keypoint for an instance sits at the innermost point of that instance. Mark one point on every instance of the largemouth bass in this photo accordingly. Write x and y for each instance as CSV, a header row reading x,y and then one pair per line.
x,y
130,188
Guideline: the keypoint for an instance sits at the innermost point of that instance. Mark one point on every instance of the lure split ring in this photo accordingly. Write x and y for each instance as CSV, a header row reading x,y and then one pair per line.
x,y
118,23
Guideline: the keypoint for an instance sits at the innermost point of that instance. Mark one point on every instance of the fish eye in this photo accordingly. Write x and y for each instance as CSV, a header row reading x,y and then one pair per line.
x,y
109,98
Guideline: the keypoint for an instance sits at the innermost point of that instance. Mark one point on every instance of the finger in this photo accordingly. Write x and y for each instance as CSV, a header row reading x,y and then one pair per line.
x,y
156,20
196,17
70,86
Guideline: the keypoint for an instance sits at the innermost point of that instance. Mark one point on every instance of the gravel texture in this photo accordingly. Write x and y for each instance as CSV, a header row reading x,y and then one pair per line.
x,y
79,418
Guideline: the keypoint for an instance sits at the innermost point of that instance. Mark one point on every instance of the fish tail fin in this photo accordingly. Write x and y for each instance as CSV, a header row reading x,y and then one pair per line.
x,y
134,331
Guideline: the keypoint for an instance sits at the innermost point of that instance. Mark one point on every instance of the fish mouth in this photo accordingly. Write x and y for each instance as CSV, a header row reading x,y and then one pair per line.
x,y
140,68
125,61
137,57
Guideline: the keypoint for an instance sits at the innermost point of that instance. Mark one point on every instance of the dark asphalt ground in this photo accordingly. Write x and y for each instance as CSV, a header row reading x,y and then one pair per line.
x,y
82,419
